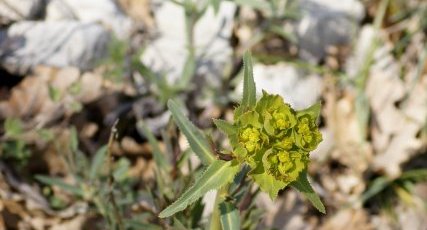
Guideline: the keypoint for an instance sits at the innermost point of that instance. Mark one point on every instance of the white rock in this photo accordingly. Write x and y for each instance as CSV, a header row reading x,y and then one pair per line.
x,y
326,23
15,10
27,44
168,53
297,90
103,11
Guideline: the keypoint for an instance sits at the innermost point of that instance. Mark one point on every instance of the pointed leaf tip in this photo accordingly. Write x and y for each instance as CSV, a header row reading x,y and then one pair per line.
x,y
249,88
303,185
216,175
196,139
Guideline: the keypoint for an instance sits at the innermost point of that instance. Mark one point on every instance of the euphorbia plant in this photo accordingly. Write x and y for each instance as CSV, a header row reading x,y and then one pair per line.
x,y
268,136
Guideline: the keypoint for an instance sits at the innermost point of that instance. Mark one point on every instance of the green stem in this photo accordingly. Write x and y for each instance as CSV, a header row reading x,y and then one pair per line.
x,y
215,223
191,17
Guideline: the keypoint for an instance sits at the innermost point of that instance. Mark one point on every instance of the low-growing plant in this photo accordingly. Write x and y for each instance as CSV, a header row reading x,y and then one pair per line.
x,y
13,146
270,145
270,148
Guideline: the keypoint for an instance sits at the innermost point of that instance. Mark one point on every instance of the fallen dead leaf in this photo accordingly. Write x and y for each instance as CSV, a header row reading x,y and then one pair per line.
x,y
49,94
139,11
394,134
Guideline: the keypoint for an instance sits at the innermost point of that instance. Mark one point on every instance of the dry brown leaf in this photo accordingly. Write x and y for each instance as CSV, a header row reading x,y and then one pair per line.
x,y
394,134
31,98
139,11
130,146
75,223
341,120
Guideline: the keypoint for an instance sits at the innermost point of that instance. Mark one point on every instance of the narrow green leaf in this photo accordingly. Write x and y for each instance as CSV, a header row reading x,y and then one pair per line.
x,y
377,186
163,166
362,113
217,174
303,185
138,224
230,219
215,4
58,182
284,34
225,127
415,174
97,162
158,155
74,140
198,142
187,72
178,225
197,213
13,127
249,90
54,93
121,171
256,4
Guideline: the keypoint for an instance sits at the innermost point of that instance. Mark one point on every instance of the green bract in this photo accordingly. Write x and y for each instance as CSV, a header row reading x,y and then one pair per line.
x,y
274,140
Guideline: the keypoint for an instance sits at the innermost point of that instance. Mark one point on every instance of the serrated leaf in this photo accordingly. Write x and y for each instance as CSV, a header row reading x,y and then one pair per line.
x,y
216,175
303,185
249,89
98,162
229,217
225,127
198,142
61,184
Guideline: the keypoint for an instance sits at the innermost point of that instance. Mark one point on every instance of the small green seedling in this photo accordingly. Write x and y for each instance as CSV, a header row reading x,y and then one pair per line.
x,y
267,135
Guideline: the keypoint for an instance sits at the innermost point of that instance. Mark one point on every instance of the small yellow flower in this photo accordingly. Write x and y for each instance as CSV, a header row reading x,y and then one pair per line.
x,y
280,121
285,143
286,165
250,138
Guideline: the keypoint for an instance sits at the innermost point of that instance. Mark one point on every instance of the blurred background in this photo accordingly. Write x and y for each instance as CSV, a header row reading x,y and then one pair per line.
x,y
70,69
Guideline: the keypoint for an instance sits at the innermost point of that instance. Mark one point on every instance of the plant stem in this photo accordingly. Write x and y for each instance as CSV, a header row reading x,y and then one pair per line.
x,y
116,212
215,223
191,17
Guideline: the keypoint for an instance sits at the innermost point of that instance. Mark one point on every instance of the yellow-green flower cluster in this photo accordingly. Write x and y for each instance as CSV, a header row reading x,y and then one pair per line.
x,y
274,138
250,137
